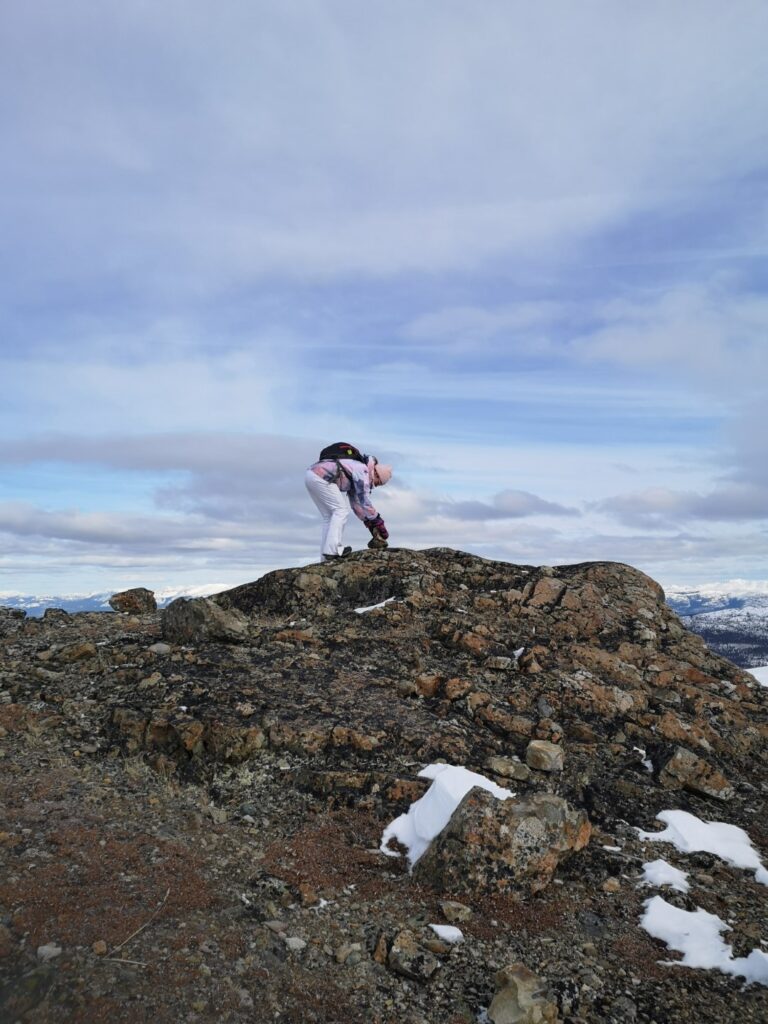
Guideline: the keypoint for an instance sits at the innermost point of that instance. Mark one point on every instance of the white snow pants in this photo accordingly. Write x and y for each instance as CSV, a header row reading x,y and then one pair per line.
x,y
333,507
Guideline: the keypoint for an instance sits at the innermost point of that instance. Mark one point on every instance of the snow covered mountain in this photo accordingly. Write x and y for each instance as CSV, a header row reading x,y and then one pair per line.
x,y
732,617
35,606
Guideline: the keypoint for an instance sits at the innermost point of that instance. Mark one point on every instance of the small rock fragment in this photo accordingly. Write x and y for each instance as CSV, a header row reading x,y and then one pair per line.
x,y
218,815
99,947
521,999
349,953
454,911
278,927
499,663
456,688
48,952
427,685
380,952
409,958
508,767
545,756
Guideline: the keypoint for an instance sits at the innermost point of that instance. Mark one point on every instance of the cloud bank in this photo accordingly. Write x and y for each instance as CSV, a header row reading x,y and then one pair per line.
x,y
518,252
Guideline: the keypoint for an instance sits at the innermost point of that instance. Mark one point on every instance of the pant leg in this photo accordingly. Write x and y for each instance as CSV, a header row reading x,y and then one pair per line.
x,y
333,507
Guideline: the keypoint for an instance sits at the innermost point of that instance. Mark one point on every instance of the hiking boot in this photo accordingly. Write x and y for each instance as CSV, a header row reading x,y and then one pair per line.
x,y
330,558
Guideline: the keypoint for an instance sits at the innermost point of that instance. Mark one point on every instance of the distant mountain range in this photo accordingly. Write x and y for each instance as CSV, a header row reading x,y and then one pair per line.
x,y
35,606
732,617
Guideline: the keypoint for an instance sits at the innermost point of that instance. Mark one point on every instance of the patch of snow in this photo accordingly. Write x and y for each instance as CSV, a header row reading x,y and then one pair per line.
x,y
428,816
659,873
760,672
371,607
692,835
646,761
696,934
447,932
613,849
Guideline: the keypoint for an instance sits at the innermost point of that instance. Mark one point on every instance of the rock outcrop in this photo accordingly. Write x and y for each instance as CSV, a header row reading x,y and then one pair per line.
x,y
494,846
198,620
211,782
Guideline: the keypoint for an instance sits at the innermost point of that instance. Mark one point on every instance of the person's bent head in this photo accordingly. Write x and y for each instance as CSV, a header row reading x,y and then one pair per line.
x,y
381,475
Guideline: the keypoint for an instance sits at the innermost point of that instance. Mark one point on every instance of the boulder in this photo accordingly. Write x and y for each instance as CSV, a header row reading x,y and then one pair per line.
x,y
56,615
200,620
138,601
501,845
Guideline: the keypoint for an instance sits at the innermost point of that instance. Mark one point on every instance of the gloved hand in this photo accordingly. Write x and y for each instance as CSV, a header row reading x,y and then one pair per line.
x,y
376,526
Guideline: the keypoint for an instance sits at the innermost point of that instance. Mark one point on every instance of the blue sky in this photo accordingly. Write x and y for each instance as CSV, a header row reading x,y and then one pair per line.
x,y
518,250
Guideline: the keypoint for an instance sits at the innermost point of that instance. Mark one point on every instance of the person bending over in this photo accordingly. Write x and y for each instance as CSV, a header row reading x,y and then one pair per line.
x,y
341,479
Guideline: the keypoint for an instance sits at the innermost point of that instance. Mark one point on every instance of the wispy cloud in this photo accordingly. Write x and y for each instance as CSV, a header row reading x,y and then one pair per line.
x,y
505,505
661,508
714,333
386,144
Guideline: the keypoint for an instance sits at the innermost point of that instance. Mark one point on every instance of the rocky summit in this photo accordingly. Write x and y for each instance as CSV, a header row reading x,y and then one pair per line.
x,y
192,800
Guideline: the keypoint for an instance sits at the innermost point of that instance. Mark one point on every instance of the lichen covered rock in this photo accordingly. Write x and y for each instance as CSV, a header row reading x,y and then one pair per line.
x,y
502,845
200,620
137,601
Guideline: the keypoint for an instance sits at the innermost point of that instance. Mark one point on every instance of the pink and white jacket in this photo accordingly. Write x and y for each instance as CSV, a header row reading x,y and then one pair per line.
x,y
358,489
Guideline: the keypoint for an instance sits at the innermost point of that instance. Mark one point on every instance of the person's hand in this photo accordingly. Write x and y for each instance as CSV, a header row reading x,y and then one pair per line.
x,y
376,526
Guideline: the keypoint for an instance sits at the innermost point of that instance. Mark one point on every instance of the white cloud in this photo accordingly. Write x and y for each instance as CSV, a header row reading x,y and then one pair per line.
x,y
247,455
708,335
305,138
713,334
504,505
660,508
